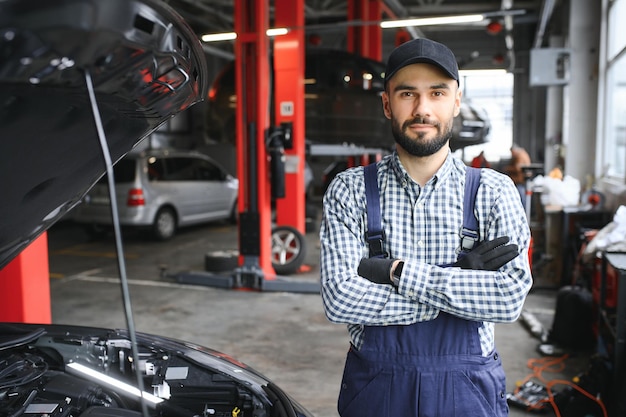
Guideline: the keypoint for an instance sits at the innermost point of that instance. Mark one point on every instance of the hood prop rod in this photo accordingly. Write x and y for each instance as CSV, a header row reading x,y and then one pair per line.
x,y
118,237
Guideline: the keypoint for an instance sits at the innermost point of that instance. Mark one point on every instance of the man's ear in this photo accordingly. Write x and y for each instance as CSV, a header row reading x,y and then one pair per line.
x,y
457,102
386,105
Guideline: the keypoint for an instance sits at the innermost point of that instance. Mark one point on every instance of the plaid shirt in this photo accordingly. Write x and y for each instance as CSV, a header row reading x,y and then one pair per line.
x,y
421,226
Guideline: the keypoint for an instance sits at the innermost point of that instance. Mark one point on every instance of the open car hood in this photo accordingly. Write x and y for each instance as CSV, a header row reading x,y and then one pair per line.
x,y
145,65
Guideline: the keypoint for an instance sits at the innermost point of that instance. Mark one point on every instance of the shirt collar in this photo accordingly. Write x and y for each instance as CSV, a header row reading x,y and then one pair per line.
x,y
438,178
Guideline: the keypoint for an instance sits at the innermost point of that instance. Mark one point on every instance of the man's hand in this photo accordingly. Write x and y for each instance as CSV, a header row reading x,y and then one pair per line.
x,y
377,270
489,255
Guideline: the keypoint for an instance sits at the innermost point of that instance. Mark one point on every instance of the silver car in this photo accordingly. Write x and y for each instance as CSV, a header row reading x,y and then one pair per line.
x,y
162,190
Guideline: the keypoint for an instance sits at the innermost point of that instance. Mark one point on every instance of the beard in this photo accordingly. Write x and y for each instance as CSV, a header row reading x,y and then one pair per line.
x,y
420,146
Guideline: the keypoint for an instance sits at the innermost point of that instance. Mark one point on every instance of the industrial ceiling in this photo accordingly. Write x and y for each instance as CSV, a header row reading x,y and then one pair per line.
x,y
510,27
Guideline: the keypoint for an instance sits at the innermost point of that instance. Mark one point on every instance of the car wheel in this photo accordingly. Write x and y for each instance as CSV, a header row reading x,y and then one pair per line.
x,y
288,249
164,226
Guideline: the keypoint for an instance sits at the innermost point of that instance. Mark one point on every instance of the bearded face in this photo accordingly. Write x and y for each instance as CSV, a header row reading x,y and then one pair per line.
x,y
421,103
418,143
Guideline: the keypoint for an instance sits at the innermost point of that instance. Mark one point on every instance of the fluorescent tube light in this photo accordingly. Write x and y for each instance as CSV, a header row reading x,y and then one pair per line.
x,y
276,32
482,72
229,36
113,383
216,37
429,21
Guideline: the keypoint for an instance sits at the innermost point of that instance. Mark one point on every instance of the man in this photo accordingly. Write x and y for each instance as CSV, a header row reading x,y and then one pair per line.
x,y
421,320
519,159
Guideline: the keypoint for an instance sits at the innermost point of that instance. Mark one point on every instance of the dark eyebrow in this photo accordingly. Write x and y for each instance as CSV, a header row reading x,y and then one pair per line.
x,y
407,87
401,87
442,86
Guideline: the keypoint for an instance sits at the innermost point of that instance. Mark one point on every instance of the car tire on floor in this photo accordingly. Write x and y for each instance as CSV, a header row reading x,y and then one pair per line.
x,y
221,260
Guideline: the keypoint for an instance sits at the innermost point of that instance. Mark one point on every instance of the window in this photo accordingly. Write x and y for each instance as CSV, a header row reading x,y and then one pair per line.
x,y
613,132
492,92
123,171
206,171
178,169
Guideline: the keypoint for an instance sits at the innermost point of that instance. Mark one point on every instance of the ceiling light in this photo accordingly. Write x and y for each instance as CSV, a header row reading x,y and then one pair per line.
x,y
277,32
429,21
482,72
229,36
216,37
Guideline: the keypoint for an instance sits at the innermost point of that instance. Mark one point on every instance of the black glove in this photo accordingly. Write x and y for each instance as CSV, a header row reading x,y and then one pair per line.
x,y
489,255
377,270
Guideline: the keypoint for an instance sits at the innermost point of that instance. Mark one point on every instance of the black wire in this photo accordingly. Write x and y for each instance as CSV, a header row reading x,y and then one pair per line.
x,y
14,375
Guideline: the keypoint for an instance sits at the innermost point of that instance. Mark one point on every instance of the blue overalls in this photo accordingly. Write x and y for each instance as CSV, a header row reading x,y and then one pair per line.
x,y
427,369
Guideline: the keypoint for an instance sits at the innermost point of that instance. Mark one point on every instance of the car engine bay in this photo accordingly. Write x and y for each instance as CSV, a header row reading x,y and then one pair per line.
x,y
91,373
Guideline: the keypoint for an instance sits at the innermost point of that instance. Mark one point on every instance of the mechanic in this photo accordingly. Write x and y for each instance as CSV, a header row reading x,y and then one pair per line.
x,y
515,169
421,320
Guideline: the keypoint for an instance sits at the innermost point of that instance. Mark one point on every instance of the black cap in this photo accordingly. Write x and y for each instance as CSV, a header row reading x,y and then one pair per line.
x,y
422,51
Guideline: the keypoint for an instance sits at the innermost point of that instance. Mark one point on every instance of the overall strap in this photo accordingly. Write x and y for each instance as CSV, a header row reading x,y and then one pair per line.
x,y
374,235
469,231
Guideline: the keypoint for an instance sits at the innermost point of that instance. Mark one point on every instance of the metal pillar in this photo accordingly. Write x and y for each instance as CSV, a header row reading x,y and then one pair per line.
x,y
581,93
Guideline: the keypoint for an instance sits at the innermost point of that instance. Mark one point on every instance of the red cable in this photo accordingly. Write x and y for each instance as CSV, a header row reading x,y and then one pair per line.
x,y
553,364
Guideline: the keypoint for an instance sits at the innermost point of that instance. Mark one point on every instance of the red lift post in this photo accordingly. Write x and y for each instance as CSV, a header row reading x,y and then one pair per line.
x,y
25,285
252,115
367,39
255,146
289,108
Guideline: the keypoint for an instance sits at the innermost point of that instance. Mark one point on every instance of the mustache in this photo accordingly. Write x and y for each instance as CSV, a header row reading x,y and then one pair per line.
x,y
422,121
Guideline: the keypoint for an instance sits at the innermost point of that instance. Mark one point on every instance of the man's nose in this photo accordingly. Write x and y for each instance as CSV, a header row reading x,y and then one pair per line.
x,y
421,107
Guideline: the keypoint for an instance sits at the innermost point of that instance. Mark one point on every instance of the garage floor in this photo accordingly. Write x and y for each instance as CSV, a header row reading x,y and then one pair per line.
x,y
283,335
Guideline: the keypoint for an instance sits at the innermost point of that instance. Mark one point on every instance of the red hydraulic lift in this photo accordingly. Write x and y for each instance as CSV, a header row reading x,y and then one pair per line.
x,y
256,147
253,120
367,39
289,108
261,147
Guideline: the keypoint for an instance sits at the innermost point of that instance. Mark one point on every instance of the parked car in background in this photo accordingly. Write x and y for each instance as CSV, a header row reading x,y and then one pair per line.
x,y
342,104
162,190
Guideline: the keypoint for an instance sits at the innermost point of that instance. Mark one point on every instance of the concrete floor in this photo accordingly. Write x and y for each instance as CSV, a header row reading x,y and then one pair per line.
x,y
284,335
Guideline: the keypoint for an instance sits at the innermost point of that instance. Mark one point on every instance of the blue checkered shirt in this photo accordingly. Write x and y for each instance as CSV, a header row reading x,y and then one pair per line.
x,y
422,226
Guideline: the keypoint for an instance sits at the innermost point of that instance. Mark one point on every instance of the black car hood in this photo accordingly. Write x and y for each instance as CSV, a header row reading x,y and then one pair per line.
x,y
146,65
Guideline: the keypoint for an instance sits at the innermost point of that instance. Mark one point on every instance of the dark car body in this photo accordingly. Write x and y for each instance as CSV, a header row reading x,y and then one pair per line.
x,y
82,83
342,104
56,370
